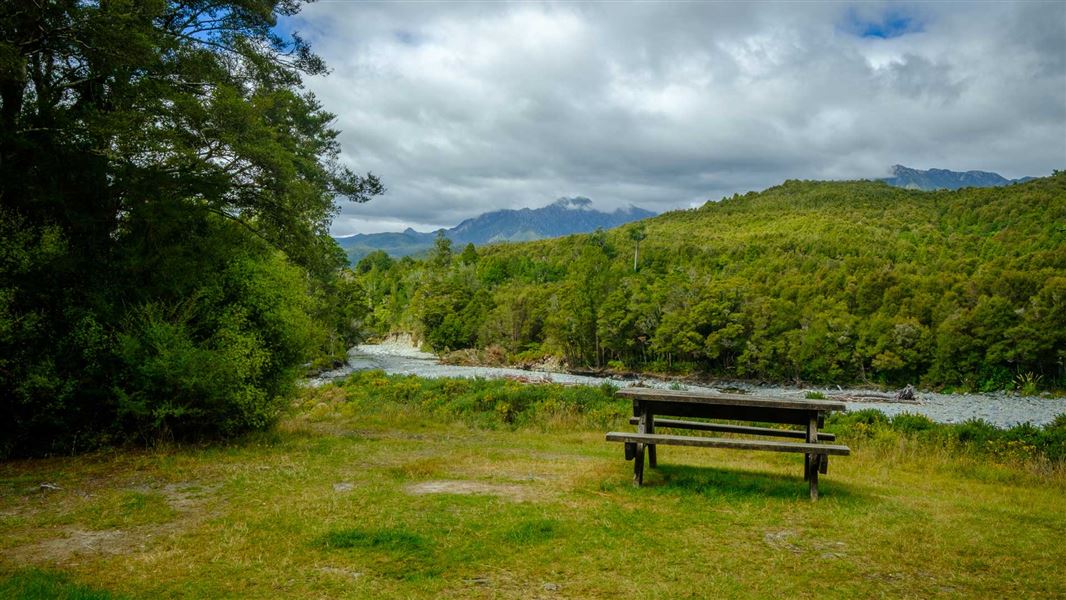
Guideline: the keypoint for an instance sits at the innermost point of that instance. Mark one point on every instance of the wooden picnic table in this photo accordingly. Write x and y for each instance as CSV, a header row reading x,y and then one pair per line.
x,y
649,404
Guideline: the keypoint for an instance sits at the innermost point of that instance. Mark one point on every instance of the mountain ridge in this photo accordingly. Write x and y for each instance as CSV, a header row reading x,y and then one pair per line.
x,y
944,179
565,216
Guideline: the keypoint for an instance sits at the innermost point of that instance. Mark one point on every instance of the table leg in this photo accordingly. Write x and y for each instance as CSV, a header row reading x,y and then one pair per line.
x,y
811,466
649,427
639,411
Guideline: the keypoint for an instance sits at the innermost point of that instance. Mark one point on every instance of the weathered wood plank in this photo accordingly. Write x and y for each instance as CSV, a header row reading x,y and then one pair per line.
x,y
685,396
746,429
739,444
724,412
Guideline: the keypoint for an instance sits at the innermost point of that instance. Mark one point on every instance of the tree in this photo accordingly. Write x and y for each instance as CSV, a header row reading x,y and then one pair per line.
x,y
442,250
127,131
636,234
469,255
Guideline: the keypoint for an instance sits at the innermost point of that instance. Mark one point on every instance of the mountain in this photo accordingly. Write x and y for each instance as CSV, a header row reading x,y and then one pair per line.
x,y
943,179
565,216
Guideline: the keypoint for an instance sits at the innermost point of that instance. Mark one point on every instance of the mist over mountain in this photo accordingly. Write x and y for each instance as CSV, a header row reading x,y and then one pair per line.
x,y
565,216
943,179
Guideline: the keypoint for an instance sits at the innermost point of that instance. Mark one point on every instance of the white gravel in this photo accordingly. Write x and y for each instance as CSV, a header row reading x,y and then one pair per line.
x,y
999,408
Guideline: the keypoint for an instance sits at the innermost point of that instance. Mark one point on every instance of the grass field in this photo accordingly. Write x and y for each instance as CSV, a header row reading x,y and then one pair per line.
x,y
363,498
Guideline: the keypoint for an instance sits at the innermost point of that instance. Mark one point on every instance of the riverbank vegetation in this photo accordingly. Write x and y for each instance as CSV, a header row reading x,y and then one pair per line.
x,y
387,486
823,282
167,191
511,404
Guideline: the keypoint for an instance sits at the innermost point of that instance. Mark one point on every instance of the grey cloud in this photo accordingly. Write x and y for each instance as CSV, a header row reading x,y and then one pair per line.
x,y
464,108
916,76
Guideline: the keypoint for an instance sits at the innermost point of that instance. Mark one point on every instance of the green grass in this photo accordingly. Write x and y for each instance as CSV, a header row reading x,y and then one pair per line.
x,y
33,584
404,488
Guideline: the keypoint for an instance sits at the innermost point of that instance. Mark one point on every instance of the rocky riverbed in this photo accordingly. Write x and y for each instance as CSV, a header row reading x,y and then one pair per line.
x,y
1000,408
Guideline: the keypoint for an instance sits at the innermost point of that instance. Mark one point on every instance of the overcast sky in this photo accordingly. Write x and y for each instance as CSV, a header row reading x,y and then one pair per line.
x,y
463,108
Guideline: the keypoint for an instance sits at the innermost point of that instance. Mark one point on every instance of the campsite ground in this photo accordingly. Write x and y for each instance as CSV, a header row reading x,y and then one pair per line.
x,y
366,500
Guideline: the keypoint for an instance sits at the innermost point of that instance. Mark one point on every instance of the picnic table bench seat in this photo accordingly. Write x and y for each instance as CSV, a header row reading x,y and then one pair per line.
x,y
728,428
732,443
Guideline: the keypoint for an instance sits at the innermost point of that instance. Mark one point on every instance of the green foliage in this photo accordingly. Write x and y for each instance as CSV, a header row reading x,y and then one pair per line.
x,y
814,395
221,361
494,404
911,423
1027,383
485,403
973,437
808,281
167,190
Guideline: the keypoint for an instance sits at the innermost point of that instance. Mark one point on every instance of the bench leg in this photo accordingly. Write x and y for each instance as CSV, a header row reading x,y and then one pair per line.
x,y
814,484
638,466
811,464
816,465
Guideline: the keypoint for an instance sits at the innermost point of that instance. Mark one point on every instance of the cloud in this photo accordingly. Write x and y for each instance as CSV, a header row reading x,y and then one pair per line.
x,y
469,107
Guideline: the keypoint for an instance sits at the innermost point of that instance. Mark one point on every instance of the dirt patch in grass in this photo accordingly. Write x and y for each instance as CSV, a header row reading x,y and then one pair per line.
x,y
515,492
503,584
342,487
341,572
792,541
186,500
79,542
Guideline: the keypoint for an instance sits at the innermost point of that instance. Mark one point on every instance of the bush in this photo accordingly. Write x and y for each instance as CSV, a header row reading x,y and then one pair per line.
x,y
976,436
484,403
209,343
866,416
975,432
912,423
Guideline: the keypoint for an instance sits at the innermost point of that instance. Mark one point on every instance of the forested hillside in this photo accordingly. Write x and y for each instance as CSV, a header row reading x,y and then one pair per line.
x,y
811,281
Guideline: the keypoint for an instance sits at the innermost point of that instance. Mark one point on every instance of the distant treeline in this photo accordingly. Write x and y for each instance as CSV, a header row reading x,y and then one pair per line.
x,y
822,282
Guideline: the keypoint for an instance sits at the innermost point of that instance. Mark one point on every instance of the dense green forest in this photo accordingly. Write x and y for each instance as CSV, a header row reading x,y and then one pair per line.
x,y
827,282
167,189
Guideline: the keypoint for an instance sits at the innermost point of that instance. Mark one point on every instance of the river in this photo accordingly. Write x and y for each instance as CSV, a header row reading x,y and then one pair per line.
x,y
1002,409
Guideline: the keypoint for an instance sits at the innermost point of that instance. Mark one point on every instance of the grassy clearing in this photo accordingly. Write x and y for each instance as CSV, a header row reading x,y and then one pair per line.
x,y
389,487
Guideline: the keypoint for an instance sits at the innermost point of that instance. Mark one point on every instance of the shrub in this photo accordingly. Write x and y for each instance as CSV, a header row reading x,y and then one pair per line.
x,y
975,431
912,423
486,403
220,362
866,416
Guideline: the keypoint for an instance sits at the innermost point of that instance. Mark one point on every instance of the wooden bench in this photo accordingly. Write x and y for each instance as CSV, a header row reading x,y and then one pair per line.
x,y
649,403
726,428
